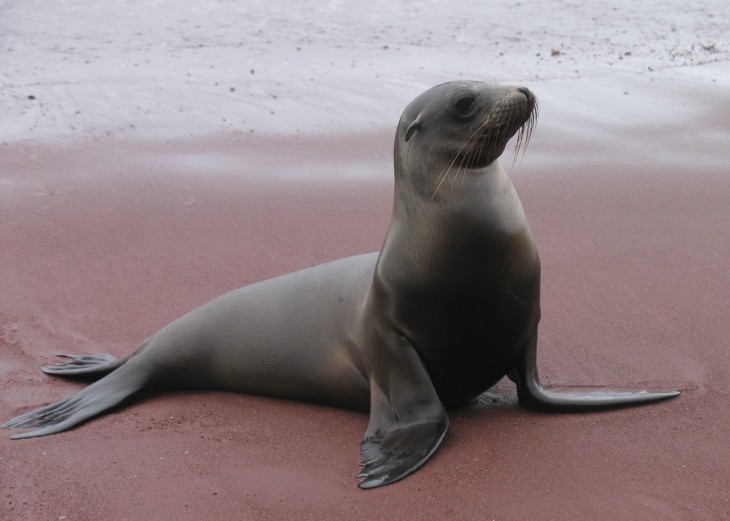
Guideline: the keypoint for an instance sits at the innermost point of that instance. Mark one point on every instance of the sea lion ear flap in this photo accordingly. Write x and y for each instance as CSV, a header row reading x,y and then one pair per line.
x,y
413,127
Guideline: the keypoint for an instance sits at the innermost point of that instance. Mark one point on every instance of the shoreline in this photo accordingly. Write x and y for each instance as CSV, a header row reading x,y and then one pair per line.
x,y
145,204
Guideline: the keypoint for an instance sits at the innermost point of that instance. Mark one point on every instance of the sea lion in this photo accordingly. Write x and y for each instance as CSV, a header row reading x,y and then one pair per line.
x,y
448,308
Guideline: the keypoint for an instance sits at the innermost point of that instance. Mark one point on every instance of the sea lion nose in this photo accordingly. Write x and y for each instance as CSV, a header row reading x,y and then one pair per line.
x,y
525,91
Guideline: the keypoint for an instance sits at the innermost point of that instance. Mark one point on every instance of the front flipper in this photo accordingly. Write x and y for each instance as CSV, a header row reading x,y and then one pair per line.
x,y
533,396
407,420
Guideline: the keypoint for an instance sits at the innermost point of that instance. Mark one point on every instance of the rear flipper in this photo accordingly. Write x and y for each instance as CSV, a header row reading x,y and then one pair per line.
x,y
90,401
533,396
83,365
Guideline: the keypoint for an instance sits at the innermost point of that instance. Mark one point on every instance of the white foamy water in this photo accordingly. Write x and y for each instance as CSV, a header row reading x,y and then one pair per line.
x,y
79,70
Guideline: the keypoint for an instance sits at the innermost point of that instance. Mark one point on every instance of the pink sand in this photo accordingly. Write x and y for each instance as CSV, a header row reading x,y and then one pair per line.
x,y
106,238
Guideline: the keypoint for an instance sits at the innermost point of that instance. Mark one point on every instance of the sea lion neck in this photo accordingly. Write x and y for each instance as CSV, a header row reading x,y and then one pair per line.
x,y
427,191
482,207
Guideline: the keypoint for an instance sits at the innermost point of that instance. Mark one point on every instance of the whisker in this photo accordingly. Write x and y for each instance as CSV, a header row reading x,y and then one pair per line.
x,y
443,177
524,135
469,159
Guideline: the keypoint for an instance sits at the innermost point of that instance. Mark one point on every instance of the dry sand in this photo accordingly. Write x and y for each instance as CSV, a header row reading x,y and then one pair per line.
x,y
115,224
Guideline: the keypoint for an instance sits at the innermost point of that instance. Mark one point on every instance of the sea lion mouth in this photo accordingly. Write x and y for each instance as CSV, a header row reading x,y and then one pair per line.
x,y
516,113
520,120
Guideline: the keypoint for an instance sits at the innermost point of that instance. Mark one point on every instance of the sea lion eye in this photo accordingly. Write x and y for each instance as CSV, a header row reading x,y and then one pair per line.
x,y
464,105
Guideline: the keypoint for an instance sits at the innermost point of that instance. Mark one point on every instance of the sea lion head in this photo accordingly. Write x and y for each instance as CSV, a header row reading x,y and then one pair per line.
x,y
463,125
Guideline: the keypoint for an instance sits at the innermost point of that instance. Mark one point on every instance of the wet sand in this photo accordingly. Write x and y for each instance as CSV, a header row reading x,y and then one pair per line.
x,y
106,239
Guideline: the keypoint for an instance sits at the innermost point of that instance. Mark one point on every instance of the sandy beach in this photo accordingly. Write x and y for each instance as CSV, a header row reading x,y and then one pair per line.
x,y
153,157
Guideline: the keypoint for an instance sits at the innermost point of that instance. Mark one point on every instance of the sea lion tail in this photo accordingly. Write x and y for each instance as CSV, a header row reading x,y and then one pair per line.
x,y
88,402
533,396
